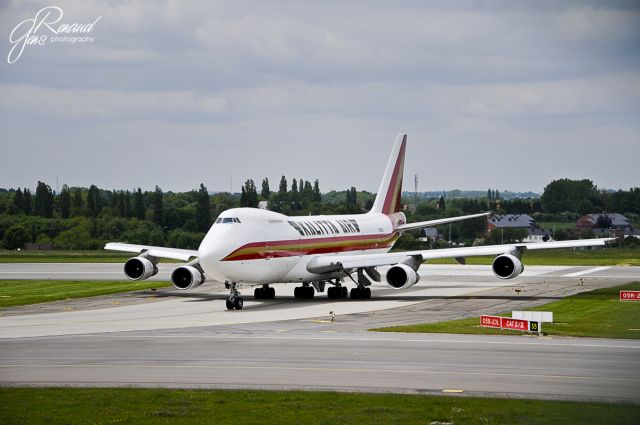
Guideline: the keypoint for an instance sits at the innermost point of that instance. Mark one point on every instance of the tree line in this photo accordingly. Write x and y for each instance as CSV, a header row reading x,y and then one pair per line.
x,y
85,218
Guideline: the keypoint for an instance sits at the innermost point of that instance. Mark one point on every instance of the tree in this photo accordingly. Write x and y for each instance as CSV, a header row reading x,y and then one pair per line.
x,y
203,209
283,185
603,222
76,202
294,186
157,202
18,201
15,237
249,195
139,210
265,189
64,202
44,200
317,197
567,195
94,201
441,205
26,201
352,200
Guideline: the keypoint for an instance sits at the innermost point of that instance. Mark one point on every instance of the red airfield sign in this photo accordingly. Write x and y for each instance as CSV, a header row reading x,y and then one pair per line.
x,y
498,322
629,295
515,324
491,321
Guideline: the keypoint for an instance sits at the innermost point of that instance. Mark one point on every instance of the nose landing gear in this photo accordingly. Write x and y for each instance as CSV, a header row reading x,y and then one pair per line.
x,y
234,301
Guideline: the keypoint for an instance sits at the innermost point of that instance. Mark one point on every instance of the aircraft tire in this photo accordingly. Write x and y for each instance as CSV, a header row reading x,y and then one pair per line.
x,y
343,292
271,293
331,292
238,303
367,293
230,305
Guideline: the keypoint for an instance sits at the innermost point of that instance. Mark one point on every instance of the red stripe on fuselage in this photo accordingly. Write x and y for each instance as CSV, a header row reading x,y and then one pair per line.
x,y
309,246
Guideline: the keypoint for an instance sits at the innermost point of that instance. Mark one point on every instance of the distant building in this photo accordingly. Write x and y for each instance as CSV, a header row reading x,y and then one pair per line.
x,y
520,221
537,235
429,233
590,221
263,205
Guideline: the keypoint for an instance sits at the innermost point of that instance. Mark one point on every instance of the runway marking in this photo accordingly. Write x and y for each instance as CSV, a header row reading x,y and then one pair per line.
x,y
323,369
583,272
452,391
556,343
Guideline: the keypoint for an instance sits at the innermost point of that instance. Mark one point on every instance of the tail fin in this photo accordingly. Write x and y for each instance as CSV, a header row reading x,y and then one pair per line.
x,y
388,197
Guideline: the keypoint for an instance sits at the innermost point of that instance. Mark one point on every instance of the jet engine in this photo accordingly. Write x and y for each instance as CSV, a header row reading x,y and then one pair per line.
x,y
140,268
187,277
401,276
507,266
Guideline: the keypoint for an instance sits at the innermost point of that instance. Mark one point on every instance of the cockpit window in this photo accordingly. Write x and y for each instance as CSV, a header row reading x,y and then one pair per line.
x,y
226,220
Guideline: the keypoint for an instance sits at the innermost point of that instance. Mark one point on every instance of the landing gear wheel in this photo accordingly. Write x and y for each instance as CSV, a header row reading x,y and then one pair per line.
x,y
229,304
331,292
355,294
309,292
258,293
238,303
343,292
271,293
367,293
296,292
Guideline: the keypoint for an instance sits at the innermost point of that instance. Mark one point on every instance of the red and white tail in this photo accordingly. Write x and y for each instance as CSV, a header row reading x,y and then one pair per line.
x,y
388,197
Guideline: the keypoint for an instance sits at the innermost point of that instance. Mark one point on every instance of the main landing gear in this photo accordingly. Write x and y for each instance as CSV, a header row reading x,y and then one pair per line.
x,y
234,301
264,293
360,293
337,291
305,292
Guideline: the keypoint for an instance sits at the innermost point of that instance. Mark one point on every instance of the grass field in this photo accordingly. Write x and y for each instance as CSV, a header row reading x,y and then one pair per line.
x,y
162,406
98,256
566,257
21,292
597,313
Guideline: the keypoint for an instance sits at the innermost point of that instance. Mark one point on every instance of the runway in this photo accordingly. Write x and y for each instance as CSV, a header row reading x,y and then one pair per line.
x,y
188,339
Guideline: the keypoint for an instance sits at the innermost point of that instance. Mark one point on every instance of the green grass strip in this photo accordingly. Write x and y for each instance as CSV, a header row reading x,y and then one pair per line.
x,y
163,406
21,292
96,256
597,313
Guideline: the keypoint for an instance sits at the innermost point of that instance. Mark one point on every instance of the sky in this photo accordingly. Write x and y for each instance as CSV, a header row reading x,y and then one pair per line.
x,y
507,95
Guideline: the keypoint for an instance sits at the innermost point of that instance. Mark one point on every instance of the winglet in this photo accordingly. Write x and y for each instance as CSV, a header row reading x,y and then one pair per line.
x,y
388,196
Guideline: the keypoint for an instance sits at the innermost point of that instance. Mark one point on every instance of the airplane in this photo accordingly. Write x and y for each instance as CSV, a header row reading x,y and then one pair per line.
x,y
259,248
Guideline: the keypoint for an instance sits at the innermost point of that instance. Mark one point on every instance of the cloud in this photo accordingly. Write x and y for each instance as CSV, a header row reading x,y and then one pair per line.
x,y
259,89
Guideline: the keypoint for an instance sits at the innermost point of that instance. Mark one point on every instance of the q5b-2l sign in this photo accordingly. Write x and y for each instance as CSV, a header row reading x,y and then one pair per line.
x,y
509,323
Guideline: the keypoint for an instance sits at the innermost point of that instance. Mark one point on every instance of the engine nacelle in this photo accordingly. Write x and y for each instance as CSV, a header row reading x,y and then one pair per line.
x,y
507,266
187,277
139,268
401,276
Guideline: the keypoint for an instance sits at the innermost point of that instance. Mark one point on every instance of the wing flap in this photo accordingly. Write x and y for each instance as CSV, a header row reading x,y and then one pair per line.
x,y
154,251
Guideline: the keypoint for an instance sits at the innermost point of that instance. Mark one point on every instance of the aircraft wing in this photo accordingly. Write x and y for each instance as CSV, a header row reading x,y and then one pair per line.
x,y
329,263
431,223
153,251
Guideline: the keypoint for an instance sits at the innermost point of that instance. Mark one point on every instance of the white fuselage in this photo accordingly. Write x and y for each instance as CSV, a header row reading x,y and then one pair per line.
x,y
259,246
